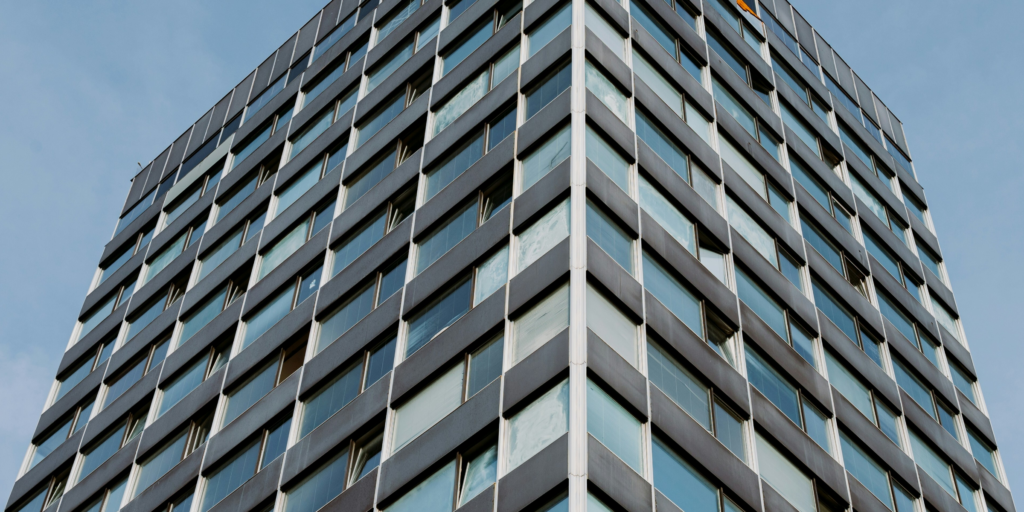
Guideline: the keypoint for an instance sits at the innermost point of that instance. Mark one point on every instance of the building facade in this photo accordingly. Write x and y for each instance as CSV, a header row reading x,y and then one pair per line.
x,y
489,256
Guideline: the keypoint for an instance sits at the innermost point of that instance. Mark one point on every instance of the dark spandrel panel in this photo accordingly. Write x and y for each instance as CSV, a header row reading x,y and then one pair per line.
x,y
284,57
241,96
382,360
307,36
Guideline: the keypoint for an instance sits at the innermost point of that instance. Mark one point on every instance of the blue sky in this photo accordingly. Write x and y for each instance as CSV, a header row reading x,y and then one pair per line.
x,y
100,85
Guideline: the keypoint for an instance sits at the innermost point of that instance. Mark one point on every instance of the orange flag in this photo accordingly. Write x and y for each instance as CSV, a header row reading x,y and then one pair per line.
x,y
743,5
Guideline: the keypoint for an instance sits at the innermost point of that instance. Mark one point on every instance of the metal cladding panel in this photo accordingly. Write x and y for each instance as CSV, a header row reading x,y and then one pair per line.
x,y
845,76
241,96
825,56
307,36
284,58
804,33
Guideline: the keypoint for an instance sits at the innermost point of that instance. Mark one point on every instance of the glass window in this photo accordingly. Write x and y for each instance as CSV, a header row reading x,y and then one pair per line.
x,y
609,236
850,386
235,198
466,47
680,482
74,377
667,215
462,101
751,231
539,424
675,157
319,488
120,384
673,295
962,380
381,72
946,319
505,66
614,426
891,312
658,83
545,31
932,464
855,145
162,260
453,166
930,260
785,477
396,19
220,253
182,385
116,264
500,128
268,315
446,236
485,365
491,275
435,494
358,305
134,213
774,386
913,386
606,158
983,451
545,158
538,97
264,98
864,468
309,177
606,91
835,311
427,407
330,399
247,148
729,430
101,451
357,243
604,31
230,476
540,323
367,452
612,325
654,27
51,442
761,303
437,316
248,393
542,235
370,127
158,464
800,128
947,421
679,384
202,315
313,130
481,471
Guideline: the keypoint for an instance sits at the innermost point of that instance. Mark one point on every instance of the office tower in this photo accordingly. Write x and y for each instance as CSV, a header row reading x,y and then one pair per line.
x,y
493,257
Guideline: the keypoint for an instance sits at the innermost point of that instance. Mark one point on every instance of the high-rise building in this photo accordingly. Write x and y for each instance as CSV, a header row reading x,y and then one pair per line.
x,y
657,254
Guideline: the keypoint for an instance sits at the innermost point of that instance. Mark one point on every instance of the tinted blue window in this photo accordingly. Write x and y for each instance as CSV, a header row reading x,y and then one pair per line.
x,y
438,316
